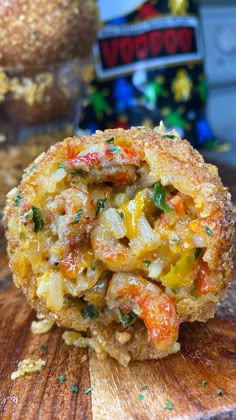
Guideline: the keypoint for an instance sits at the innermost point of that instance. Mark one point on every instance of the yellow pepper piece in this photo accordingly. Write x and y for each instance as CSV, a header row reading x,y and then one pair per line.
x,y
183,272
88,257
132,211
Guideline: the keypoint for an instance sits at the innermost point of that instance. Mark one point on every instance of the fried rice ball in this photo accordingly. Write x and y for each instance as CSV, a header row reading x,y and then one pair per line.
x,y
39,32
121,236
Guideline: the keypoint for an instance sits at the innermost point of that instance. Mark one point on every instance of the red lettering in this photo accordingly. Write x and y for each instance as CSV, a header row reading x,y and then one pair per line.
x,y
141,47
170,41
155,40
126,50
109,50
185,39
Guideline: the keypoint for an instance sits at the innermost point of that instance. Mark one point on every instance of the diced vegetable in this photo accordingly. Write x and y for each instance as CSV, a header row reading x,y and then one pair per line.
x,y
204,280
180,273
132,211
177,203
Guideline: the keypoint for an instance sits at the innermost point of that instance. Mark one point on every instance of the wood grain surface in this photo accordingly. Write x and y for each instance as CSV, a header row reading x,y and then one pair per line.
x,y
208,353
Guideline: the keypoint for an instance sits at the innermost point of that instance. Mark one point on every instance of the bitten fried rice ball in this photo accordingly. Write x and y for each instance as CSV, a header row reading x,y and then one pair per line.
x,y
122,236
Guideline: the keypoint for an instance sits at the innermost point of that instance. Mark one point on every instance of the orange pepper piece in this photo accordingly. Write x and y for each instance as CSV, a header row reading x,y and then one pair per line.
x,y
177,203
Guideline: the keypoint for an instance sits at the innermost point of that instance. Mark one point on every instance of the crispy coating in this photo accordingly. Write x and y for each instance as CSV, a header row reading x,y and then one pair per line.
x,y
181,170
41,32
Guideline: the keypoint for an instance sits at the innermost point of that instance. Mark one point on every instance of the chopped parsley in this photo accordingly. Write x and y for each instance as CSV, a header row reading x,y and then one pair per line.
x,y
126,318
37,219
121,214
158,195
101,205
88,390
61,379
89,311
208,231
144,387
75,173
114,149
220,392
42,347
140,397
22,236
176,292
147,263
111,140
93,266
17,200
204,383
169,405
77,216
74,388
168,136
197,252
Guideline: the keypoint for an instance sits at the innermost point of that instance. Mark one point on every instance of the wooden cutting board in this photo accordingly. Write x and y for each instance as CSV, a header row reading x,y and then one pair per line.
x,y
208,353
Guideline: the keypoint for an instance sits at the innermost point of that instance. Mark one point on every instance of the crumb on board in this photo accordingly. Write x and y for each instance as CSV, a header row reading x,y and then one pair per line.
x,y
73,338
41,327
27,366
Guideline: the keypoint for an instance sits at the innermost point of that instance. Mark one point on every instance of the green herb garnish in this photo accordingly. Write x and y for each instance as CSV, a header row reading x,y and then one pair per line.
x,y
22,236
220,392
75,173
140,397
147,263
121,214
101,205
93,266
42,347
114,149
89,311
61,379
74,388
111,140
176,292
169,405
17,200
208,231
158,195
37,219
77,216
126,318
88,390
168,136
144,388
204,383
197,252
